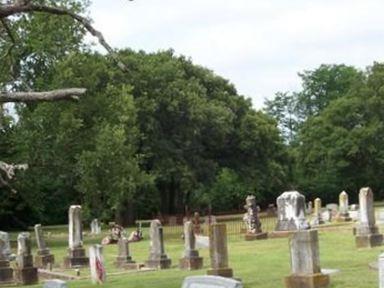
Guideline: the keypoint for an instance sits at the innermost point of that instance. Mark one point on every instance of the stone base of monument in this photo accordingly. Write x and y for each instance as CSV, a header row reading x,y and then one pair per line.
x,y
223,272
318,280
163,263
76,258
6,272
191,263
368,241
255,236
44,260
26,276
126,263
280,234
343,218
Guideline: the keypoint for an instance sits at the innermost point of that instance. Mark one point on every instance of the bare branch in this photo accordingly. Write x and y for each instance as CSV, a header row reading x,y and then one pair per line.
x,y
26,7
7,172
54,95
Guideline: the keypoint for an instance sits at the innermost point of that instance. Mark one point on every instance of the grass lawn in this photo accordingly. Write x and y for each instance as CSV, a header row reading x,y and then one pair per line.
x,y
261,263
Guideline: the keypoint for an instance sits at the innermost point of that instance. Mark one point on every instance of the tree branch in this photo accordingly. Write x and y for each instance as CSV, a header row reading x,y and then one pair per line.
x,y
26,7
7,172
54,95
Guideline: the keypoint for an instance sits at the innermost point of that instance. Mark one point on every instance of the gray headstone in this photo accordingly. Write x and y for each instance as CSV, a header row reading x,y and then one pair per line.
x,y
23,244
41,245
210,282
157,240
367,212
189,240
251,218
95,227
5,247
332,206
75,227
291,212
55,283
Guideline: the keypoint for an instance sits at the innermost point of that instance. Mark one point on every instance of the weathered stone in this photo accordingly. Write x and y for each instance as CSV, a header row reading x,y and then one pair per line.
x,y
76,253
343,215
252,220
25,273
381,270
191,259
55,283
291,212
124,259
218,251
367,233
305,261
210,282
196,223
6,272
318,219
157,257
96,264
44,258
95,227
309,208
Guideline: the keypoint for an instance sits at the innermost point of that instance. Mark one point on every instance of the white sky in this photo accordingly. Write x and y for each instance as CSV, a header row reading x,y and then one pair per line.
x,y
259,45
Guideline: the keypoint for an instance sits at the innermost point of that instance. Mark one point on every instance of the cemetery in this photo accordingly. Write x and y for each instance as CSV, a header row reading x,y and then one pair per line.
x,y
327,254
133,165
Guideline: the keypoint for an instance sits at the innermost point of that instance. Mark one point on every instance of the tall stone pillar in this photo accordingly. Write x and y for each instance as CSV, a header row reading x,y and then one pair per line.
x,y
343,214
367,233
6,272
25,273
218,251
318,218
252,220
157,257
381,270
191,259
44,258
124,259
76,253
305,261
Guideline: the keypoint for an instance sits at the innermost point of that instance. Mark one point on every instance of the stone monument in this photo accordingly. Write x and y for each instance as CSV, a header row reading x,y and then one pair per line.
x,y
218,251
157,257
367,233
381,270
305,261
318,218
191,259
210,282
96,264
6,272
124,259
291,212
95,227
309,208
76,253
25,273
252,220
44,258
343,215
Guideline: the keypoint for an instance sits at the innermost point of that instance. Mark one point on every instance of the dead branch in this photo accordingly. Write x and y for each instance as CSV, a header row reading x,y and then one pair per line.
x,y
54,95
18,7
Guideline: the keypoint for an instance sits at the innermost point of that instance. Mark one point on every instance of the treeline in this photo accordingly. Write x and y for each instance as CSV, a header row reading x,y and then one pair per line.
x,y
167,134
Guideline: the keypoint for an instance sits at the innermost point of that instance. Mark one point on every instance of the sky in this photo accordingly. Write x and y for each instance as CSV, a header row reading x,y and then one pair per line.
x,y
259,46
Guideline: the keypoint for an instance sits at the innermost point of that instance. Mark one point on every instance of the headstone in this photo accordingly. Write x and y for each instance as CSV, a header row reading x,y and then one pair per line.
x,y
354,207
333,207
25,273
309,208
367,233
381,270
380,217
218,251
196,223
271,210
96,264
291,212
210,282
44,258
343,215
318,217
327,215
191,259
55,283
76,253
210,219
124,259
157,257
6,272
305,261
95,227
252,220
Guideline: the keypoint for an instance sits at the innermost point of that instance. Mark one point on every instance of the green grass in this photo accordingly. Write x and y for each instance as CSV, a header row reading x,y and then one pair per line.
x,y
261,263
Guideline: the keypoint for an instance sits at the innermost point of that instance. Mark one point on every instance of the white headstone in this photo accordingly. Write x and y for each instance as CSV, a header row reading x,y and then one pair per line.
x,y
96,264
5,247
210,282
55,283
75,227
95,227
